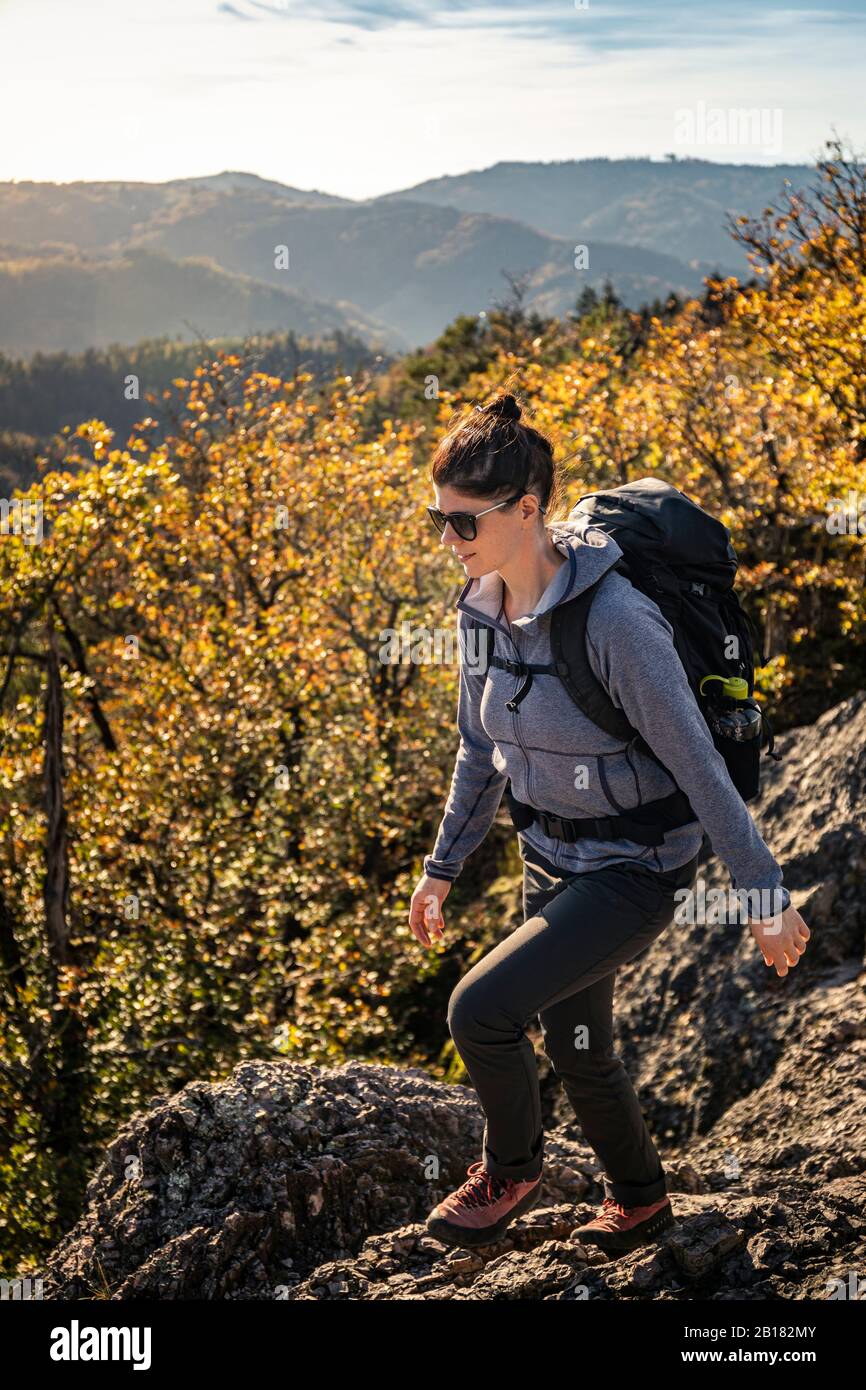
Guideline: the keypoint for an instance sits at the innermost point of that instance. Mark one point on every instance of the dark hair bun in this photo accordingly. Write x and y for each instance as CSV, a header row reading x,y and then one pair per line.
x,y
504,405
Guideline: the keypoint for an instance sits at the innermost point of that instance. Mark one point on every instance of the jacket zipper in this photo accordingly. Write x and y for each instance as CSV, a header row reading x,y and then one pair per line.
x,y
515,723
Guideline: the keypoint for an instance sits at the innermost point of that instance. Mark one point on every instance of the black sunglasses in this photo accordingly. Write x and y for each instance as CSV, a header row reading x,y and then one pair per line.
x,y
465,523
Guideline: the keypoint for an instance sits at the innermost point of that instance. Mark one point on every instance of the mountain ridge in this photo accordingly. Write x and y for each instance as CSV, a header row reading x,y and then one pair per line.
x,y
410,260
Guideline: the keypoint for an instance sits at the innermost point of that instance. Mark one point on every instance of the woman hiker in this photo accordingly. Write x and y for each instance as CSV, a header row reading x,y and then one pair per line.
x,y
589,905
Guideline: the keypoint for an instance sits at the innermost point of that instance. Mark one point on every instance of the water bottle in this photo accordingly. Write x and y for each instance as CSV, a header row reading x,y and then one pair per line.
x,y
737,725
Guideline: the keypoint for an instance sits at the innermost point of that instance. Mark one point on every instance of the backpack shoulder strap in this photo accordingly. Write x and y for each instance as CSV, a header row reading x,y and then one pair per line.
x,y
568,641
568,646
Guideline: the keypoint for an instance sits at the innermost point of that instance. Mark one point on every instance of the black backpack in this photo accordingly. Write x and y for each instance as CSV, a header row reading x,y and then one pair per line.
x,y
683,559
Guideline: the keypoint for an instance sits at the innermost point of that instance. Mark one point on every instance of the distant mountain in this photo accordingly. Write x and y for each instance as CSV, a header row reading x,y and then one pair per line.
x,y
68,299
398,267
411,265
676,207
92,215
236,181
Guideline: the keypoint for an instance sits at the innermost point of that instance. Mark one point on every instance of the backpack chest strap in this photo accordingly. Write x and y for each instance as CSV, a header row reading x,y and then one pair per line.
x,y
526,670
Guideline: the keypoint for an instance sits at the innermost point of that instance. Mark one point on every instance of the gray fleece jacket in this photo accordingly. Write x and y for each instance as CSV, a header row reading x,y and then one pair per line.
x,y
561,762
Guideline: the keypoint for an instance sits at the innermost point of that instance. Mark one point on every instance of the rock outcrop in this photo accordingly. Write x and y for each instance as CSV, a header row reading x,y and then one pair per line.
x,y
291,1181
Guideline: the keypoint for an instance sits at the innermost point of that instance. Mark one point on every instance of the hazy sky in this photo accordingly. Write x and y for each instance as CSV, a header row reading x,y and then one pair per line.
x,y
358,97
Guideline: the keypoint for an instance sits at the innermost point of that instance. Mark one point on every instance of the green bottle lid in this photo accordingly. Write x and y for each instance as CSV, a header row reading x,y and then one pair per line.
x,y
735,687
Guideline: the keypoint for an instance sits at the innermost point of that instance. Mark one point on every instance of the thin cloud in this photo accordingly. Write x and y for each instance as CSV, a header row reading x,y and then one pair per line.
x,y
233,11
604,28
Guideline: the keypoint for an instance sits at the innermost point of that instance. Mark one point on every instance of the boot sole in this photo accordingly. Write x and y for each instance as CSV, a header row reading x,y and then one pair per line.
x,y
467,1237
621,1242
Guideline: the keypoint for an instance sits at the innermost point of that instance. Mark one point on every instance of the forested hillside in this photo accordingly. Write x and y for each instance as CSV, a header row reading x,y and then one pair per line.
x,y
120,385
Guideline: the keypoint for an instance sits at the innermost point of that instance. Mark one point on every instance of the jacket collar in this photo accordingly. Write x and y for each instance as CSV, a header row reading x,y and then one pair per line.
x,y
589,553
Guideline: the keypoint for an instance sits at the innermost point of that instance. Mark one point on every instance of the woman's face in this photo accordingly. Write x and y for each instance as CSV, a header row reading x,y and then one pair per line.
x,y
499,532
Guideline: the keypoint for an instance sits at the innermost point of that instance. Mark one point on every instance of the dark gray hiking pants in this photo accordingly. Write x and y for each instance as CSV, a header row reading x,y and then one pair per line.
x,y
561,966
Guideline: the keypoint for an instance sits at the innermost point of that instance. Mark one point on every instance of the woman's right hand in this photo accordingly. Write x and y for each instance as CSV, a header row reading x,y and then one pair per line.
x,y
421,918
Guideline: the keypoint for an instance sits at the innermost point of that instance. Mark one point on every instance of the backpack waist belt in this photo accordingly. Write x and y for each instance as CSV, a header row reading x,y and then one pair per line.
x,y
645,825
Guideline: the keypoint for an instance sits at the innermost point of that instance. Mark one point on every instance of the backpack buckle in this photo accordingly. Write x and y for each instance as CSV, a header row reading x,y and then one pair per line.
x,y
559,829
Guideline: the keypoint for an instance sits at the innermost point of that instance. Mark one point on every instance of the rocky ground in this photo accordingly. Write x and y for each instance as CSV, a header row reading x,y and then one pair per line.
x,y
290,1181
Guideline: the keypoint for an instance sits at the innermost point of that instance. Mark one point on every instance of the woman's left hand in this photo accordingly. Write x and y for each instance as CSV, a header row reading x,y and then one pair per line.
x,y
782,938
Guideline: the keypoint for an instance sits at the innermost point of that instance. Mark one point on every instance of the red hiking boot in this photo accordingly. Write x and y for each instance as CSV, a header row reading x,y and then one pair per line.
x,y
479,1212
618,1229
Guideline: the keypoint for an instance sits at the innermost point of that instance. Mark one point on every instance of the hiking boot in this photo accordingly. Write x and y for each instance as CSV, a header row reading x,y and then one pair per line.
x,y
479,1212
617,1229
